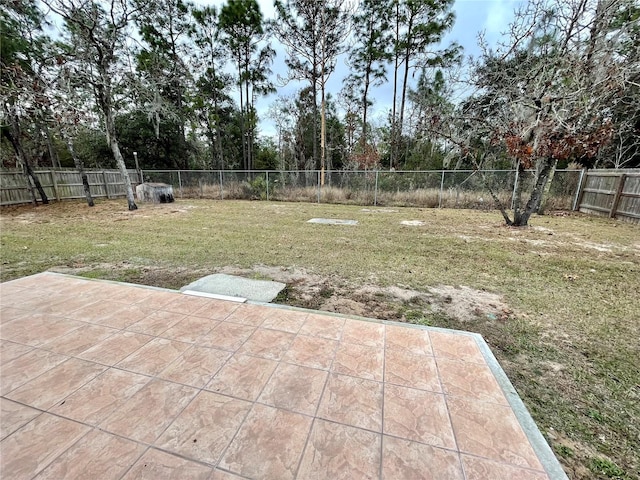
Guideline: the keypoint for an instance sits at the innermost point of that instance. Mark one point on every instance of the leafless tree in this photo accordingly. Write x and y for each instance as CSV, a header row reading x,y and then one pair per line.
x,y
548,93
96,33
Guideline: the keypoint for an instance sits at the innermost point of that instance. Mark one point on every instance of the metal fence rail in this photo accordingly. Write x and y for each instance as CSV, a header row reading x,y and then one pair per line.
x,y
436,188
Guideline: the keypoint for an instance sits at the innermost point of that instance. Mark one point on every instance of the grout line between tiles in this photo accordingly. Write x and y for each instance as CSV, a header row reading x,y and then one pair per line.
x,y
384,383
453,431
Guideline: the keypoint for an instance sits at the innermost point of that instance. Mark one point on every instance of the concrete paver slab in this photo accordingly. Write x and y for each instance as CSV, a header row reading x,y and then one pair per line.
x,y
234,286
247,391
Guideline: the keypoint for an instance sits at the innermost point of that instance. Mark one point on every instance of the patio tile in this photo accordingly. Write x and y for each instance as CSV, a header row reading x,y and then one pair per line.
x,y
268,445
37,329
205,428
359,361
96,455
14,416
129,294
153,407
95,311
153,357
8,314
352,401
190,329
314,352
480,469
11,350
156,323
243,376
470,380
124,316
405,459
340,452
247,315
156,299
411,370
363,333
179,386
196,366
27,451
295,388
62,305
155,464
9,289
405,339
99,398
18,297
26,367
491,431
221,475
187,304
84,288
32,300
265,343
285,320
227,336
115,348
56,384
417,415
80,339
216,309
323,326
456,347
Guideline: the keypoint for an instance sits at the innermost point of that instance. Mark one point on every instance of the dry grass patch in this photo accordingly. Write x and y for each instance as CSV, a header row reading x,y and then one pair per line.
x,y
565,326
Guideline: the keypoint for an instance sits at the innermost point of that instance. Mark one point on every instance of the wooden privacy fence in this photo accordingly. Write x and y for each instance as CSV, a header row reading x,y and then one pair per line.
x,y
612,193
63,185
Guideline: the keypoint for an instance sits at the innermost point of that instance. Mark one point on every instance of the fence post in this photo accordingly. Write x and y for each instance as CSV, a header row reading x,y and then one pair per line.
x,y
180,183
221,185
54,181
106,184
583,185
441,188
267,186
318,186
375,191
515,188
616,199
577,195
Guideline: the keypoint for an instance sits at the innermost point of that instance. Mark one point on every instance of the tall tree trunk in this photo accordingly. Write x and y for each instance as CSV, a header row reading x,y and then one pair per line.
x,y
365,105
405,80
112,139
547,188
314,93
245,164
396,67
323,136
83,175
53,155
249,105
323,119
521,219
33,182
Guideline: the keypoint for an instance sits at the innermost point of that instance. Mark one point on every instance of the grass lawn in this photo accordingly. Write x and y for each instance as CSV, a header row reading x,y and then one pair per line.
x,y
569,340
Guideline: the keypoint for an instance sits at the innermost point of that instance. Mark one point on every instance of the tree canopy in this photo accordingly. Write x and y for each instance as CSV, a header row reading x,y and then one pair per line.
x,y
180,84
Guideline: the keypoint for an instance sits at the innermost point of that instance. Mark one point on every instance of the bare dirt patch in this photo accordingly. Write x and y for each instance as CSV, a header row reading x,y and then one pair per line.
x,y
332,294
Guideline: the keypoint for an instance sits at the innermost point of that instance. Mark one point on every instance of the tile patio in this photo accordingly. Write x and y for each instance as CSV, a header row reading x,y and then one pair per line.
x,y
115,381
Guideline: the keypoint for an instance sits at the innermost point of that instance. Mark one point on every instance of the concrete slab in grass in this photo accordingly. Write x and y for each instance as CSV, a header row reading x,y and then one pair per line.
x,y
332,221
233,286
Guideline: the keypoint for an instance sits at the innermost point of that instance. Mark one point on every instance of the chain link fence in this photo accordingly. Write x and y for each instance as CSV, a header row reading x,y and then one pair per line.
x,y
441,188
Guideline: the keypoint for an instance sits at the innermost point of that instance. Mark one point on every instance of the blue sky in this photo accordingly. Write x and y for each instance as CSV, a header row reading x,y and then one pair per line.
x,y
472,16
